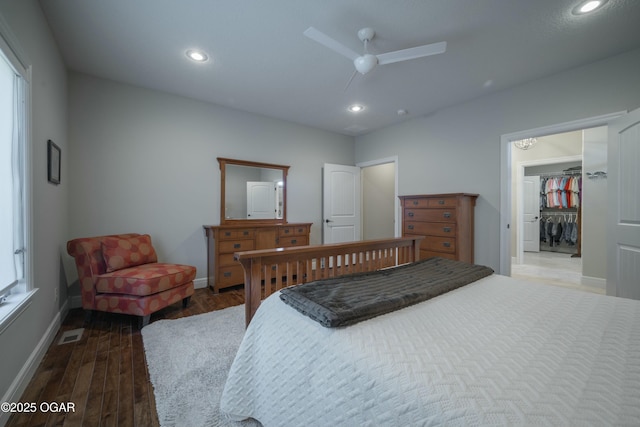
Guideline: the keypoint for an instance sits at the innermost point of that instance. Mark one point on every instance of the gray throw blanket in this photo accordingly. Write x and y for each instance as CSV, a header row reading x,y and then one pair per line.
x,y
347,300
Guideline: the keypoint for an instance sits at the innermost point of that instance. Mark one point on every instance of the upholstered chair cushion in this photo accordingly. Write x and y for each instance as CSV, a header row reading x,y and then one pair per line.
x,y
124,252
146,279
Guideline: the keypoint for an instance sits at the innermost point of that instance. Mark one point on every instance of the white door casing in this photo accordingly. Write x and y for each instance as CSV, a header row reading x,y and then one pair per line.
x,y
531,214
623,222
505,174
341,203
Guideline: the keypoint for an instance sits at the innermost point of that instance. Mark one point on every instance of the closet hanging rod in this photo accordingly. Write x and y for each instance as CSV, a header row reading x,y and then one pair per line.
x,y
558,213
549,174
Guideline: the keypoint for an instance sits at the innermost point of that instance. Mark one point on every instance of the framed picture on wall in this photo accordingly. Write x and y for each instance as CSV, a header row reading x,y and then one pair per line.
x,y
53,162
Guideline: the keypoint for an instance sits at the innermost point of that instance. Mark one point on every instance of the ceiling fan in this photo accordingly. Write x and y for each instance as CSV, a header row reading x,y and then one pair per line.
x,y
366,62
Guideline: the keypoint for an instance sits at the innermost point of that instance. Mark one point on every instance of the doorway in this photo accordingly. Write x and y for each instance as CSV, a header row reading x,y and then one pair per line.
x,y
545,218
372,201
592,244
378,201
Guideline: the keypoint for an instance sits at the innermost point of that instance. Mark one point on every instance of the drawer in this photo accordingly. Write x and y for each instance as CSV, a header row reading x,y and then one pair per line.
x,y
435,202
230,275
227,259
236,246
237,234
439,244
293,231
431,254
287,241
430,215
429,229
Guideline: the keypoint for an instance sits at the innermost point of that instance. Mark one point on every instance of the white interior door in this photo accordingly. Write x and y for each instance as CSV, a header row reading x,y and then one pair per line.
x,y
531,214
261,200
623,229
341,203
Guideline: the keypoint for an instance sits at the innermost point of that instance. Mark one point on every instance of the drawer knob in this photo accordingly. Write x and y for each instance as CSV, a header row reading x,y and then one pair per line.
x,y
227,233
446,244
410,214
410,226
227,274
447,214
236,245
294,241
246,233
286,231
415,202
441,202
447,229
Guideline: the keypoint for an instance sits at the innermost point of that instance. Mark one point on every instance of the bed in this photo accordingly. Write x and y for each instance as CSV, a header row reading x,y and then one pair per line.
x,y
497,351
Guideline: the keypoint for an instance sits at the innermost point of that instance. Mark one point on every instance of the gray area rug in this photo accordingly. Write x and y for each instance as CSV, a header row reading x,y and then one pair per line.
x,y
188,360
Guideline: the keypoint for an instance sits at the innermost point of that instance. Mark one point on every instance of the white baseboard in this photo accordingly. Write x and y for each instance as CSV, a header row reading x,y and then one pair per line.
x,y
200,283
19,384
594,282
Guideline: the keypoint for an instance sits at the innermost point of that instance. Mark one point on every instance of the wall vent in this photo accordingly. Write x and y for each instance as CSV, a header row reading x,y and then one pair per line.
x,y
71,336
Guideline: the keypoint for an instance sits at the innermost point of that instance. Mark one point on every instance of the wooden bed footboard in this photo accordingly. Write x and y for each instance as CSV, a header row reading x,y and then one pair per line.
x,y
269,270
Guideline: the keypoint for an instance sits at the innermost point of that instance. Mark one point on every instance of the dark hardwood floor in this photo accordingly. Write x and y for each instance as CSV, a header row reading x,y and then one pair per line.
x,y
104,374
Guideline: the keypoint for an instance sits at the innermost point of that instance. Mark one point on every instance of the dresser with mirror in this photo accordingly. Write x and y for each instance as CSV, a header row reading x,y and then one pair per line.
x,y
253,215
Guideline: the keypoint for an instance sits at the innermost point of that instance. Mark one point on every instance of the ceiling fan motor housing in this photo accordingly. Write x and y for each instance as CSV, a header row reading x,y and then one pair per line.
x,y
365,63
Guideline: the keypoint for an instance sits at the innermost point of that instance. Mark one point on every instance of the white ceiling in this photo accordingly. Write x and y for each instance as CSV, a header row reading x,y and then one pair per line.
x,y
262,63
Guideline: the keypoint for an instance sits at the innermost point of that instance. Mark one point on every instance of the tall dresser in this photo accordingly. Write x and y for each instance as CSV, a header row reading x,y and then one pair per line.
x,y
224,240
445,219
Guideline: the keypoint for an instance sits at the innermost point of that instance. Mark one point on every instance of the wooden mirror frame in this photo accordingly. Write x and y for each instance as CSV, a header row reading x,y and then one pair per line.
x,y
240,221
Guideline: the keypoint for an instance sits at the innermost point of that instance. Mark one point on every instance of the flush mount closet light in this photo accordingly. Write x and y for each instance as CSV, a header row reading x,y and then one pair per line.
x,y
355,108
588,6
525,144
197,55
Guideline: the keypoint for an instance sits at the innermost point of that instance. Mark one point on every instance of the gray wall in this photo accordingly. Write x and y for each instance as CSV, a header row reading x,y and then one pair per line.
x,y
145,161
20,343
458,149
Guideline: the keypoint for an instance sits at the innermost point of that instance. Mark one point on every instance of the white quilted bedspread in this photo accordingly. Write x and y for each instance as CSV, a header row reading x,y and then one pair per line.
x,y
500,351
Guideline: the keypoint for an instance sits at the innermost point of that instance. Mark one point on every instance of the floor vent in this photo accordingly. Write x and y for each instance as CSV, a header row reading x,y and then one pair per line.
x,y
71,336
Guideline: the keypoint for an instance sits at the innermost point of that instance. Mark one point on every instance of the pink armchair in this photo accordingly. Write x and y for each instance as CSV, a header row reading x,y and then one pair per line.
x,y
120,274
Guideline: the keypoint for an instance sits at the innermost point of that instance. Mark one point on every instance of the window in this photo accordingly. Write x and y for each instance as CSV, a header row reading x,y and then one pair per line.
x,y
15,288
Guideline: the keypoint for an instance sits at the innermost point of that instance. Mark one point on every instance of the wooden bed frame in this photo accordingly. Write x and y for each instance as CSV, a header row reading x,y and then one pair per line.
x,y
269,270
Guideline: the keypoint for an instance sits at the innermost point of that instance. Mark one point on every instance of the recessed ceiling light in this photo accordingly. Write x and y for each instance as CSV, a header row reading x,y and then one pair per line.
x,y
197,55
355,108
588,6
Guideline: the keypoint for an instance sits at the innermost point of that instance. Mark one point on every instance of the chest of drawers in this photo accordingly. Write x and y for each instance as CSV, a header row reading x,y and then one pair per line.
x,y
446,220
224,240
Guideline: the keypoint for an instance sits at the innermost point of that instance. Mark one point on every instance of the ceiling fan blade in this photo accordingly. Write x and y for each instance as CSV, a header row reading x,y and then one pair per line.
x,y
412,53
327,41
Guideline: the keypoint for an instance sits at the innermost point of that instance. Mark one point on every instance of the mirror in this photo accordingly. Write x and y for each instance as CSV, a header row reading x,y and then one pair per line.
x,y
252,191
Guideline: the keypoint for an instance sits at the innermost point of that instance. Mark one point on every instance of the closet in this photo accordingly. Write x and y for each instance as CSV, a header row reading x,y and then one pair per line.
x,y
560,211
